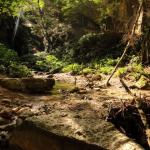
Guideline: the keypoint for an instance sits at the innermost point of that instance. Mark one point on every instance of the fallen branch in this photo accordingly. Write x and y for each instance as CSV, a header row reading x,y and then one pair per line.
x,y
128,43
138,102
126,88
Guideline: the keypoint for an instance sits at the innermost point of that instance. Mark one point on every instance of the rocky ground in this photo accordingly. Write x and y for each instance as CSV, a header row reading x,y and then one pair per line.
x,y
82,99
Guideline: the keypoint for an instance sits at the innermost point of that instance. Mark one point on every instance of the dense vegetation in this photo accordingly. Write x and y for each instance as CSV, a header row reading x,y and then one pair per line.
x,y
81,37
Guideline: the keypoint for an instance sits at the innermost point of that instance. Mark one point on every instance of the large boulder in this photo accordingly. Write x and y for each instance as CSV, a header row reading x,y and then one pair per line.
x,y
38,84
11,83
33,85
59,131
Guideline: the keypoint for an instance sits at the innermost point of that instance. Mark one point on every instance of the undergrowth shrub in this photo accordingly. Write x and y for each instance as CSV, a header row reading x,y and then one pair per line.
x,y
106,69
47,62
7,55
104,66
17,70
108,62
29,60
121,71
88,70
73,68
133,70
11,64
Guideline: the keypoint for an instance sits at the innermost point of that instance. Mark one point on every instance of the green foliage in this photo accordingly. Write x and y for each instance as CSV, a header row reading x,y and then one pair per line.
x,y
97,46
134,76
133,70
13,7
42,61
10,63
121,71
134,59
47,62
106,69
89,14
55,64
137,67
88,38
29,60
73,68
42,66
10,7
104,66
51,59
18,70
143,83
136,70
41,55
108,62
7,55
88,70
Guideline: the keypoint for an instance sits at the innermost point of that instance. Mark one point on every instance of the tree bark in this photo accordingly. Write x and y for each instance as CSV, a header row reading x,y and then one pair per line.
x,y
145,48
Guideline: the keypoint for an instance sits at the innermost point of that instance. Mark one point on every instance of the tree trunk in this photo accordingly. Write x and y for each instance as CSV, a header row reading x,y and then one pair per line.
x,y
145,49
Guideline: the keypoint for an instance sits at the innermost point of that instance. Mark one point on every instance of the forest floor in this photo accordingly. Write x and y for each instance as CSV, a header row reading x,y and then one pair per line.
x,y
94,102
66,95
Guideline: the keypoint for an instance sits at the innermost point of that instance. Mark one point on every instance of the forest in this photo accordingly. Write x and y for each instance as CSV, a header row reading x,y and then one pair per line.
x,y
74,74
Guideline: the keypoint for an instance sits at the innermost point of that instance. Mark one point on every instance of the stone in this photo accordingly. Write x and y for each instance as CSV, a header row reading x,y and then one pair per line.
x,y
69,133
83,91
6,101
89,76
96,77
74,90
25,112
96,88
11,83
33,85
143,83
37,85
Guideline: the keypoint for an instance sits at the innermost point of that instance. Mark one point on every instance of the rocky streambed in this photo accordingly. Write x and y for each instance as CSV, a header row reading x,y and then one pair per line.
x,y
71,118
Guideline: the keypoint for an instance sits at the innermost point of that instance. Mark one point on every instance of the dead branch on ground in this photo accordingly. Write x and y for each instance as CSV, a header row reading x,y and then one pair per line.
x,y
138,101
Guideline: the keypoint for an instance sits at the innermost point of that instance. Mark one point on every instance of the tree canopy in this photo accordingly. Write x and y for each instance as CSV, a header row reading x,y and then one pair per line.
x,y
12,7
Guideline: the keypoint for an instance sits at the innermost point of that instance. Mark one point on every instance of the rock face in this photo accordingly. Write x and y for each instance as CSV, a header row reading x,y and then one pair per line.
x,y
65,132
33,85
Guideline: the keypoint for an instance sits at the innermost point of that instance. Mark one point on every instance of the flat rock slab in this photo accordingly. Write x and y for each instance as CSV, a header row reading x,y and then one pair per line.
x,y
58,131
32,85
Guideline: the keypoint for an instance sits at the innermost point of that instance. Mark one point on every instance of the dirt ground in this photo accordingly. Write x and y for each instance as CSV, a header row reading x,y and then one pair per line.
x,y
98,99
71,95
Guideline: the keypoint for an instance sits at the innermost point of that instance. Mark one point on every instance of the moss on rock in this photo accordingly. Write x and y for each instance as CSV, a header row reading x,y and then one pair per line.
x,y
32,85
143,83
